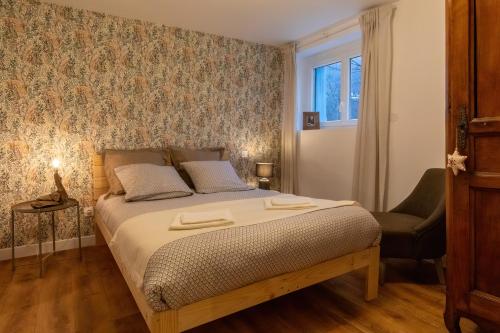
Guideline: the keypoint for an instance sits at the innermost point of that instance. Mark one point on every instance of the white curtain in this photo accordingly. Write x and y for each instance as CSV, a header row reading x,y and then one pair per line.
x,y
289,129
372,141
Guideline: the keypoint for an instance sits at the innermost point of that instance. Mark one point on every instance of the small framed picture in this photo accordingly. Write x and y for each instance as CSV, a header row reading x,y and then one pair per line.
x,y
310,120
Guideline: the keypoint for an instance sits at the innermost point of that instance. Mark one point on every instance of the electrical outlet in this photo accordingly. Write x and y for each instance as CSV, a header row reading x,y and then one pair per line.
x,y
88,211
244,154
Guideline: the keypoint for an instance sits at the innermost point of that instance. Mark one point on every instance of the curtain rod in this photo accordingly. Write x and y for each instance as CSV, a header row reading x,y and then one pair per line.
x,y
336,29
310,40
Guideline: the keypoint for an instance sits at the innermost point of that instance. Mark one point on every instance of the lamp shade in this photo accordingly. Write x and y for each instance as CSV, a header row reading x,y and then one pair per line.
x,y
264,170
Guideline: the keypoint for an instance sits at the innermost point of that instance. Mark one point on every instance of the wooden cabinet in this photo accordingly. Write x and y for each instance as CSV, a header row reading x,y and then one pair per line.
x,y
473,197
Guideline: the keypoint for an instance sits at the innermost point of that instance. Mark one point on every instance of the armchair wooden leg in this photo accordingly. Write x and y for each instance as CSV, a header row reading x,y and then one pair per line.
x,y
381,276
438,262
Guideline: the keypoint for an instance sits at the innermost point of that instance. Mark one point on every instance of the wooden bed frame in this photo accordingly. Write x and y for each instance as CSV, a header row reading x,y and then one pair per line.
x,y
192,315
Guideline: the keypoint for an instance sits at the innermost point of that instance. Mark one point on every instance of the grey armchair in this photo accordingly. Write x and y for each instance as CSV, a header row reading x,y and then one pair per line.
x,y
416,228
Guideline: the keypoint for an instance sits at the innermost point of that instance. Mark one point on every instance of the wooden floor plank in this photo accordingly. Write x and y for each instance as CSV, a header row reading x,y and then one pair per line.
x,y
421,316
91,296
56,298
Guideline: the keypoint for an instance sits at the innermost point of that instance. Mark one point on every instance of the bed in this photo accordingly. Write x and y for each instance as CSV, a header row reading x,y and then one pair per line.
x,y
185,308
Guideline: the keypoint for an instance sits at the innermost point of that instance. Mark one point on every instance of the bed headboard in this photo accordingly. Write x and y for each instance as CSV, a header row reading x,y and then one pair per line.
x,y
100,184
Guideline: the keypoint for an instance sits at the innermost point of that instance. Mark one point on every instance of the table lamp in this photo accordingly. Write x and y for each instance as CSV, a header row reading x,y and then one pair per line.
x,y
55,198
264,171
56,164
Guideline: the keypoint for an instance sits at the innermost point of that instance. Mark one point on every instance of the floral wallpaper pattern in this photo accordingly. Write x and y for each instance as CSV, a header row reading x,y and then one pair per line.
x,y
74,81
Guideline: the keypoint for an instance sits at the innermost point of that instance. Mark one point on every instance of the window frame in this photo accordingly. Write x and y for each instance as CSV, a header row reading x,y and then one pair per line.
x,y
343,55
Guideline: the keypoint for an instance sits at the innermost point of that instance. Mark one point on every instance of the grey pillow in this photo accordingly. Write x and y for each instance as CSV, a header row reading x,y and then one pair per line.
x,y
214,176
179,155
116,158
151,182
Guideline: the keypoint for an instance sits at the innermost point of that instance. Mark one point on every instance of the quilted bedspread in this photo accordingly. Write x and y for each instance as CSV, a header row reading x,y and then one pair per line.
x,y
201,266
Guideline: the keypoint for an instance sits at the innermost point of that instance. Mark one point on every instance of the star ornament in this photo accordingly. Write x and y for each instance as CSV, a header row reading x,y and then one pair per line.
x,y
456,162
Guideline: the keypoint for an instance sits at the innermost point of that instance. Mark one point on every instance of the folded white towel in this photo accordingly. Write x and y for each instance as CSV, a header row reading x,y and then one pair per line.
x,y
205,217
269,205
187,221
291,201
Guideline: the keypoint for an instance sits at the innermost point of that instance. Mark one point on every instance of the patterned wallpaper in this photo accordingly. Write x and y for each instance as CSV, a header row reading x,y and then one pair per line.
x,y
74,81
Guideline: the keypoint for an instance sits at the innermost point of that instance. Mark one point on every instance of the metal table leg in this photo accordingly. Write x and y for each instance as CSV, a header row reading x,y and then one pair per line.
x,y
53,234
40,261
79,232
12,216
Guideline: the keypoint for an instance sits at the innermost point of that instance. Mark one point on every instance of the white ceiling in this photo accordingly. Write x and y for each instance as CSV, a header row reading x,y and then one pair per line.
x,y
262,21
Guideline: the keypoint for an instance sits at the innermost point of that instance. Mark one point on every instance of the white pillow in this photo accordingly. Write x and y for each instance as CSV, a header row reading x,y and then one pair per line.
x,y
151,182
214,176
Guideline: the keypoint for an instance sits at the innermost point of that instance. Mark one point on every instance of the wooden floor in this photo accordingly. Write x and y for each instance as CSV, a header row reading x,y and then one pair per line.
x,y
91,296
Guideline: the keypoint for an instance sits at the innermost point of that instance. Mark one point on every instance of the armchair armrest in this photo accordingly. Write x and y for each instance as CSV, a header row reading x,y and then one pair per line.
x,y
426,196
435,218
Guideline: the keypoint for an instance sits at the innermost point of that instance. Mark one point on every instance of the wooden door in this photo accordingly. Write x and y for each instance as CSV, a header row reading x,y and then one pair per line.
x,y
473,197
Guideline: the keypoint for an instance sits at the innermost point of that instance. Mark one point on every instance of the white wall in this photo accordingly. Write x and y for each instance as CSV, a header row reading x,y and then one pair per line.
x,y
417,139
325,163
418,112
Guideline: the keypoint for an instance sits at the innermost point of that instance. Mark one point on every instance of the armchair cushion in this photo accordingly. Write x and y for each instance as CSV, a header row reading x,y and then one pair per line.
x,y
398,234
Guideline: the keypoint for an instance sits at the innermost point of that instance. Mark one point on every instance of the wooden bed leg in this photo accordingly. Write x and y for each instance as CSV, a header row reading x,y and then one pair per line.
x,y
99,238
372,271
165,322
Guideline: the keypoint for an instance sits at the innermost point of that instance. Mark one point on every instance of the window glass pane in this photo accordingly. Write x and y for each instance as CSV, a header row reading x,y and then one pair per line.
x,y
327,91
355,86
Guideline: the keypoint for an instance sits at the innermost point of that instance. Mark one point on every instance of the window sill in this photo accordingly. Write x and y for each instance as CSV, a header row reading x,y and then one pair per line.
x,y
340,123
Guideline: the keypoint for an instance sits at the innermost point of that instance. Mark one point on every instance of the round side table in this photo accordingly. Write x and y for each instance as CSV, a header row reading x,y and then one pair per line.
x,y
26,208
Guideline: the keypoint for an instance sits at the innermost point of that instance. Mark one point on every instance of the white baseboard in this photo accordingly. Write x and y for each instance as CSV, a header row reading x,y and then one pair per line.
x,y
32,249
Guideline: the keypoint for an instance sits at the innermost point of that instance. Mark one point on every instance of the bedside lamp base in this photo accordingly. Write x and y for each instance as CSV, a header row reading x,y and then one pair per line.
x,y
264,184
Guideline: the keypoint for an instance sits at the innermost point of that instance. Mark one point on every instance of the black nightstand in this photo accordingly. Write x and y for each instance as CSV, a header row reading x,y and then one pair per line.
x,y
26,208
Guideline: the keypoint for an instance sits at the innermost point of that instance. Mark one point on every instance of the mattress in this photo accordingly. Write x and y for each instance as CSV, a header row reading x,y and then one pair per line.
x,y
114,210
204,265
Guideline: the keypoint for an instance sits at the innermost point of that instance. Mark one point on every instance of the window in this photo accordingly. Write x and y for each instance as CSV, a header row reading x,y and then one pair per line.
x,y
327,87
354,86
336,86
